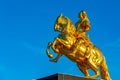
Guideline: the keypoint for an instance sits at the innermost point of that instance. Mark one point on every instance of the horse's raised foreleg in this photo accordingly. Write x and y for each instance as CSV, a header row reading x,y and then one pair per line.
x,y
55,46
65,43
50,44
56,59
48,50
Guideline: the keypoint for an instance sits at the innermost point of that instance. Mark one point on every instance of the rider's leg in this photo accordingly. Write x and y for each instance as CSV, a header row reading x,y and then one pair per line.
x,y
77,47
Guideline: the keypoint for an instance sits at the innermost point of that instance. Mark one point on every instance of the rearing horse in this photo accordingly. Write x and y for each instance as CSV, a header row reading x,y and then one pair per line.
x,y
67,44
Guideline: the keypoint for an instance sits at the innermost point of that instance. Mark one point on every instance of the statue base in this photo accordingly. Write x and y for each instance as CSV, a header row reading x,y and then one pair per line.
x,y
60,76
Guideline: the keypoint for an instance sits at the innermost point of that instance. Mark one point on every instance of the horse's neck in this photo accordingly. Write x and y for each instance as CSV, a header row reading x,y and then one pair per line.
x,y
70,27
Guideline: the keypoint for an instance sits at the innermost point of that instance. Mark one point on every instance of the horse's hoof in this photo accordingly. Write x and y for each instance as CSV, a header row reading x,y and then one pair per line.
x,y
50,56
93,77
54,61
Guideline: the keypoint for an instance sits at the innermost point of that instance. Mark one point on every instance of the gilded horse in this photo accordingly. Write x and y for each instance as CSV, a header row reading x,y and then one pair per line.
x,y
67,44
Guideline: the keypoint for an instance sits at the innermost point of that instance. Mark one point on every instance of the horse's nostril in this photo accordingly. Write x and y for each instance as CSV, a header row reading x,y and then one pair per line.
x,y
56,27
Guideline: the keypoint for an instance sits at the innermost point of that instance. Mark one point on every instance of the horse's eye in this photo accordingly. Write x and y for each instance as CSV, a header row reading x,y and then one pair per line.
x,y
60,24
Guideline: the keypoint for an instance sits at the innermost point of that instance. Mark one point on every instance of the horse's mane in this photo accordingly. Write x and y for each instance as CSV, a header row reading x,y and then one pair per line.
x,y
70,25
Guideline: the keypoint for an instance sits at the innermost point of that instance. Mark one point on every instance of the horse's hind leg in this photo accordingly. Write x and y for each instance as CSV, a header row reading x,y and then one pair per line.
x,y
95,69
83,69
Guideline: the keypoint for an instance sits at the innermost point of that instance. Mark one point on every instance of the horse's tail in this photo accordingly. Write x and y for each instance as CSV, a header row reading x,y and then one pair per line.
x,y
104,71
48,50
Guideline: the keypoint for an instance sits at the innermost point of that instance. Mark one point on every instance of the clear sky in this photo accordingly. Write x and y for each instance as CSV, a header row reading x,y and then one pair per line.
x,y
26,27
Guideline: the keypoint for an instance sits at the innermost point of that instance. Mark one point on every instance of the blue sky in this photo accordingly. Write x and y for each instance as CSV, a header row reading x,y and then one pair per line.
x,y
26,27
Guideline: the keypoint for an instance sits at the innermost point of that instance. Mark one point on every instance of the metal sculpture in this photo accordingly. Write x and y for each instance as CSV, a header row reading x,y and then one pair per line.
x,y
76,45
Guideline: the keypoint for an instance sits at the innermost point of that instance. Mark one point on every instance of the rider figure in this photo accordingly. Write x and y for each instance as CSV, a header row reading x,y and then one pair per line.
x,y
82,26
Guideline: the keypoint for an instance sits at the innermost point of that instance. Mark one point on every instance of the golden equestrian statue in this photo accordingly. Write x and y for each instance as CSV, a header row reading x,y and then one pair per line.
x,y
76,45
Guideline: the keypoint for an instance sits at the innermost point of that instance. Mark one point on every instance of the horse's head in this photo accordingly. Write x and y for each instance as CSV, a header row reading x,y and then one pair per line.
x,y
64,25
61,23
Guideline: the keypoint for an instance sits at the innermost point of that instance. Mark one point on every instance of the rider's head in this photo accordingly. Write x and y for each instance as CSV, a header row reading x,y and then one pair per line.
x,y
82,14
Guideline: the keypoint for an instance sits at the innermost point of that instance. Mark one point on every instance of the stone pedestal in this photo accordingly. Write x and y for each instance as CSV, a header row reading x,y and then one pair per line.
x,y
60,76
